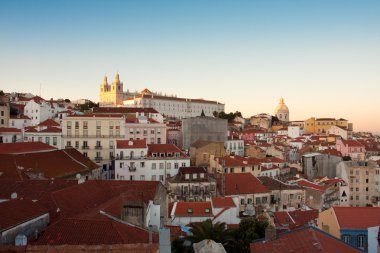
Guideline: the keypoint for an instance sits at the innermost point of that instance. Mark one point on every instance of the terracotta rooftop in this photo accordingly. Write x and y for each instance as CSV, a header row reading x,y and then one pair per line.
x,y
357,217
49,123
126,144
25,147
15,212
306,239
122,110
221,202
274,184
164,148
193,209
93,232
352,143
67,162
294,219
242,183
12,130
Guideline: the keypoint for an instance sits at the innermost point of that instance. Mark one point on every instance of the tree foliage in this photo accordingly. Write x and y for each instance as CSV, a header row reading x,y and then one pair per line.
x,y
230,116
237,240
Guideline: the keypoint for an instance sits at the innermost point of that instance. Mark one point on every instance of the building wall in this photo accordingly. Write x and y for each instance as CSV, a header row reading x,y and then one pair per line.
x,y
327,222
53,139
27,228
174,107
229,216
373,243
201,156
354,233
203,128
235,147
19,123
4,114
98,131
10,137
154,133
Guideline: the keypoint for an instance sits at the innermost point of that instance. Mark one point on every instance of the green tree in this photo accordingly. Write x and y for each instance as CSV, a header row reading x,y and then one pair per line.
x,y
250,229
217,232
1,93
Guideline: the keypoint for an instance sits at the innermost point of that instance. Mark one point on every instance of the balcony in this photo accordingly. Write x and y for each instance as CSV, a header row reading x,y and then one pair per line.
x,y
98,158
98,147
85,147
68,146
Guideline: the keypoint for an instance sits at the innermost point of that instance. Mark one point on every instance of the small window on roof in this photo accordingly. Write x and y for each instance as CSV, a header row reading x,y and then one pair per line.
x,y
207,210
187,176
190,210
202,175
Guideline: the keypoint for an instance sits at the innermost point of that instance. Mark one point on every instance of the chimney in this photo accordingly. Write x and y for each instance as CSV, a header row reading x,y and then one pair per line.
x,y
270,234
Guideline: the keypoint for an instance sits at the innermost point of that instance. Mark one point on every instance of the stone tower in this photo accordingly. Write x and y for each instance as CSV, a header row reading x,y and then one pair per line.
x,y
111,95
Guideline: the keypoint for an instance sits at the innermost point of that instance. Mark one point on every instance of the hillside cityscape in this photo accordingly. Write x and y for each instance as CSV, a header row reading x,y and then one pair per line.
x,y
169,174
163,126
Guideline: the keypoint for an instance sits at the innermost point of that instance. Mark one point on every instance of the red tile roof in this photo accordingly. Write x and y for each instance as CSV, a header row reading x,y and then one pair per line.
x,y
193,209
51,130
15,212
310,185
67,163
242,183
331,151
93,232
32,189
123,110
352,143
294,219
24,147
163,148
18,117
307,239
4,130
125,144
357,217
220,202
49,123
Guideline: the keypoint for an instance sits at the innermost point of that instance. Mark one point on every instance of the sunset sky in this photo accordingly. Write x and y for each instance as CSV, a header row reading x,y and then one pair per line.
x,y
322,56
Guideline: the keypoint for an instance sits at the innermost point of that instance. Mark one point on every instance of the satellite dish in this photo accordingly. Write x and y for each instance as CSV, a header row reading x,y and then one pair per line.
x,y
14,195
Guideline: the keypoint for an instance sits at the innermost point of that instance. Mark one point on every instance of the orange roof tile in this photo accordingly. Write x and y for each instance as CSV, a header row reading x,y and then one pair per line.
x,y
357,217
193,209
306,239
242,183
125,144
24,147
220,202
15,212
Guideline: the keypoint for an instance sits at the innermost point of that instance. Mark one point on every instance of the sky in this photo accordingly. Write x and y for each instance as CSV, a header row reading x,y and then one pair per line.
x,y
322,57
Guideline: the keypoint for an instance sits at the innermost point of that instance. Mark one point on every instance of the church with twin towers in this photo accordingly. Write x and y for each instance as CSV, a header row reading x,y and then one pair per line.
x,y
113,95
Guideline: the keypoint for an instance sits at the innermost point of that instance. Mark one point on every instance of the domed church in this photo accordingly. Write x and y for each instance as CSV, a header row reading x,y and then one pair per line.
x,y
282,111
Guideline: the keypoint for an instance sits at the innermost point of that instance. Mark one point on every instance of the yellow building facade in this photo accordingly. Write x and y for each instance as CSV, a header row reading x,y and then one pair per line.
x,y
321,125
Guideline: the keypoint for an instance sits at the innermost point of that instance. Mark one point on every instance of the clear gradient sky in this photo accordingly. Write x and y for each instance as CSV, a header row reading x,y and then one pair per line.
x,y
322,56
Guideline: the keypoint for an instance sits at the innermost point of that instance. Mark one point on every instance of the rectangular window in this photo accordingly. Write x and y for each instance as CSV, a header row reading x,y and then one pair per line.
x,y
85,124
142,177
153,166
76,144
47,140
154,178
168,166
362,242
161,177
54,141
175,165
161,165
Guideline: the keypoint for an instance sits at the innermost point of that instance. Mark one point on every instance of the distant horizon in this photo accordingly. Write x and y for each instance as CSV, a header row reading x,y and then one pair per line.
x,y
322,57
227,111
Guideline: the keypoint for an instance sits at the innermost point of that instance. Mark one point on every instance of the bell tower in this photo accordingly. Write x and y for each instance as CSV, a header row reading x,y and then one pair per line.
x,y
117,90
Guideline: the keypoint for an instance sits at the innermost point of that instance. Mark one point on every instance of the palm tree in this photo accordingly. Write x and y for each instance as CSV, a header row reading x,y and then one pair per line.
x,y
217,232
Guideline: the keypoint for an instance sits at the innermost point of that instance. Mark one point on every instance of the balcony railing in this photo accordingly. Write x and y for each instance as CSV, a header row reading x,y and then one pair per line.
x,y
98,158
98,147
132,168
68,146
130,157
85,147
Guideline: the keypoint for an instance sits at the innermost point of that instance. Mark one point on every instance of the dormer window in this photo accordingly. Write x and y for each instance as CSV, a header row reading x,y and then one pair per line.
x,y
202,175
177,154
154,154
162,154
195,175
190,210
187,176
207,210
